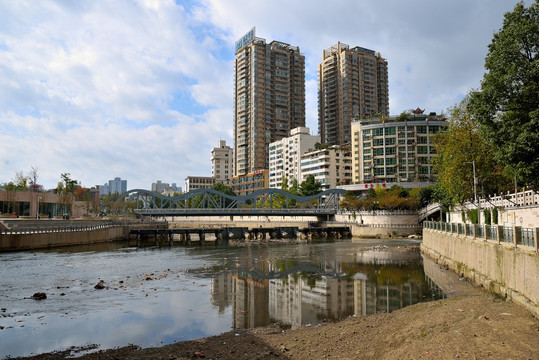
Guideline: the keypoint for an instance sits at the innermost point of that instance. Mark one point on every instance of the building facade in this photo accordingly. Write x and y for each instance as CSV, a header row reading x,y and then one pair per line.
x,y
163,188
395,149
285,156
251,182
221,163
116,186
331,166
198,182
352,84
269,98
159,186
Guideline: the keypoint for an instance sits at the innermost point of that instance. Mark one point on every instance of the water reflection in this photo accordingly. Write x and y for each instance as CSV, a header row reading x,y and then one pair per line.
x,y
297,292
197,292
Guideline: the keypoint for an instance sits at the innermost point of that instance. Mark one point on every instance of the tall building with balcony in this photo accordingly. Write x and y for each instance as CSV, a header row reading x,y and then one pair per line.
x,y
285,156
269,98
331,166
395,149
352,84
221,163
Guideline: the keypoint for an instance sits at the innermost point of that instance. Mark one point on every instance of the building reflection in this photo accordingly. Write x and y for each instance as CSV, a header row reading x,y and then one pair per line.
x,y
297,294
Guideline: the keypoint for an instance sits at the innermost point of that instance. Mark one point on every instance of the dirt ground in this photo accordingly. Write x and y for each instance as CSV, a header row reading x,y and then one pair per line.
x,y
480,326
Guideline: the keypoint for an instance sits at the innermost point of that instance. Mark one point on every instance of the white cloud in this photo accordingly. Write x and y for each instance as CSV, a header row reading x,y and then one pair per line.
x,y
144,89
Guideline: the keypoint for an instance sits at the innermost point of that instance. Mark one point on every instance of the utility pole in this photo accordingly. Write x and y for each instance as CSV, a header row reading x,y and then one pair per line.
x,y
478,203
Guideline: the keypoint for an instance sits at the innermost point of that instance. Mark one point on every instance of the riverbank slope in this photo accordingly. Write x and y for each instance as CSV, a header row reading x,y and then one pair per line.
x,y
480,326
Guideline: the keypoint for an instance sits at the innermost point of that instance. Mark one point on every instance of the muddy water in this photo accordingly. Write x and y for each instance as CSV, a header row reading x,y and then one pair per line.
x,y
155,296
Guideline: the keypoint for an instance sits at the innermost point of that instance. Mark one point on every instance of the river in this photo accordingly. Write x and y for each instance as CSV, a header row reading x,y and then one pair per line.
x,y
153,296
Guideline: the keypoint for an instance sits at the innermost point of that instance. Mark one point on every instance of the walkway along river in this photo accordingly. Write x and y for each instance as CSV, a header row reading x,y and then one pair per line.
x,y
153,296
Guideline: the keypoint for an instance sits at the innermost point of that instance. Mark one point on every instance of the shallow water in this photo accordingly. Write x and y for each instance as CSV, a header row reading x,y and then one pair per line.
x,y
156,296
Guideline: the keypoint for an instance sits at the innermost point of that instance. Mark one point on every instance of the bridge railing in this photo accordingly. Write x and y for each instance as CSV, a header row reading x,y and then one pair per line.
x,y
517,236
235,211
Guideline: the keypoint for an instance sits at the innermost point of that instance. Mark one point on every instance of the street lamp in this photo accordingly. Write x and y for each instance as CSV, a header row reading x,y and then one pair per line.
x,y
475,192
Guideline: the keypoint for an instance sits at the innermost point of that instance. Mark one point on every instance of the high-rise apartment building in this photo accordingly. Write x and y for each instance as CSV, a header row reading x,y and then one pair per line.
x,y
159,186
116,186
221,163
395,149
352,84
285,156
269,95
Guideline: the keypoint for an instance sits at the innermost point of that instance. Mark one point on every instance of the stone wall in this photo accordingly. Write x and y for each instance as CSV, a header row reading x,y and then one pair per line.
x,y
511,272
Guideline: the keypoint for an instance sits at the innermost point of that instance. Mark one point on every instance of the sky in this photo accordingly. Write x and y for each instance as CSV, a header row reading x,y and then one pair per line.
x,y
143,89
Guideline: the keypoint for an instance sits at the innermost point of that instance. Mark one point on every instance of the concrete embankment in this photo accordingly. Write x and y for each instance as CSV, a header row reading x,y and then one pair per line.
x,y
508,271
20,235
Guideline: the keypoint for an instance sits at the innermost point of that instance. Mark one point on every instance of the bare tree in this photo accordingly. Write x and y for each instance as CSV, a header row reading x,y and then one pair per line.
x,y
11,196
33,175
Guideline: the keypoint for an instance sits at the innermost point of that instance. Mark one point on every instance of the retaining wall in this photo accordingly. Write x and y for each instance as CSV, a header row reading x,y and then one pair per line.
x,y
379,217
45,240
384,230
508,271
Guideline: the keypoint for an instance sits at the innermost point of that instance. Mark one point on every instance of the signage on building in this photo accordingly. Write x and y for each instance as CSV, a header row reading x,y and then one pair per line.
x,y
257,172
372,185
245,40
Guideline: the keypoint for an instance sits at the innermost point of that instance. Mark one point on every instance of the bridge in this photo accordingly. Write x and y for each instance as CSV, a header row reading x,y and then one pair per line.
x,y
208,202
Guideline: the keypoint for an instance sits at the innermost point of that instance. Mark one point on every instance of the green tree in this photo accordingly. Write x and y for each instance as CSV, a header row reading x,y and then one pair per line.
x,y
69,185
507,105
222,188
294,188
426,195
227,190
310,186
458,147
65,191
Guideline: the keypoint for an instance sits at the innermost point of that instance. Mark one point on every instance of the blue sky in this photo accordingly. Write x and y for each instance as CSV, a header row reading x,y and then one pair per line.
x,y
143,89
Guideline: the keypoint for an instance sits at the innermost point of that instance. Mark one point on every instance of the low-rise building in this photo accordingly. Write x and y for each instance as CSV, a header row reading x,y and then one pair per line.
x,y
330,166
198,182
285,156
251,182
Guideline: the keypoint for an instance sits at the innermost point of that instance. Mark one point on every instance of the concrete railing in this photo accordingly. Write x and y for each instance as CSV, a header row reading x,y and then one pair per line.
x,y
508,200
513,235
55,229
